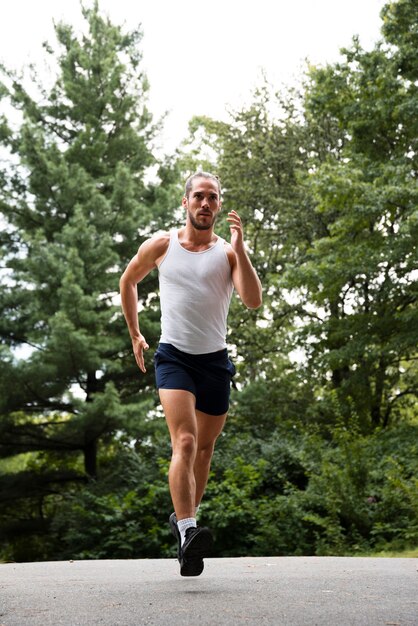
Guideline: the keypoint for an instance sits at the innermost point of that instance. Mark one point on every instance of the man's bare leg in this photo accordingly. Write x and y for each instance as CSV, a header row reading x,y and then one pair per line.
x,y
209,427
179,410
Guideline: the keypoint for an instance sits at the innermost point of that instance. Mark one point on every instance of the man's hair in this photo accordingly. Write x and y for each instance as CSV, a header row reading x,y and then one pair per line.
x,y
189,181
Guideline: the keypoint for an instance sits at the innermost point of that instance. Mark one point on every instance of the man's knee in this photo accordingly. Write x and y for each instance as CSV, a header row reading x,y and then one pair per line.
x,y
205,452
185,444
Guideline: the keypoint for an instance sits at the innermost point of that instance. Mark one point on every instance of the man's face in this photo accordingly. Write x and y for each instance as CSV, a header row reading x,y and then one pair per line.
x,y
203,203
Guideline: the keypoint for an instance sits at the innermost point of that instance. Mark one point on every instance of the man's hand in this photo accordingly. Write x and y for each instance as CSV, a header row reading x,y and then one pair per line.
x,y
138,346
237,233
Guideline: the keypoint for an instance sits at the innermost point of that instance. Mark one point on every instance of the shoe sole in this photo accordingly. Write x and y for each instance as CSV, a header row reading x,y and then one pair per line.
x,y
191,563
192,568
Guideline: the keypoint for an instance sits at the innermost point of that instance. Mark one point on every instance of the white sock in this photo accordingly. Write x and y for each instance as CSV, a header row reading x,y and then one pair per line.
x,y
184,524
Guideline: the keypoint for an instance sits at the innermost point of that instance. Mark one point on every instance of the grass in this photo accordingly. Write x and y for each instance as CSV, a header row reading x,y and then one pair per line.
x,y
410,553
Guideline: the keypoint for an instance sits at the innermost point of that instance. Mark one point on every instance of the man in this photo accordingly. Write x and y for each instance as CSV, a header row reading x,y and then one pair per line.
x,y
198,272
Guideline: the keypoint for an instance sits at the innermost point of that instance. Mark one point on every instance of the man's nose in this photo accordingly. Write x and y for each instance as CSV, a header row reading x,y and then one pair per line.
x,y
205,202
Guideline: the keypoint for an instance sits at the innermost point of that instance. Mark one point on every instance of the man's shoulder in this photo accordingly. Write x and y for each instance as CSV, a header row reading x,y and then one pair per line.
x,y
161,238
156,246
158,240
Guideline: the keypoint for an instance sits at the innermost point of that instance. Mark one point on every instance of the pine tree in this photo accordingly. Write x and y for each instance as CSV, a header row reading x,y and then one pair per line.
x,y
75,207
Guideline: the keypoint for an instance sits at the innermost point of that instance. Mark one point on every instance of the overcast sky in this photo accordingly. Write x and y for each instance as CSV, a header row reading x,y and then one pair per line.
x,y
202,57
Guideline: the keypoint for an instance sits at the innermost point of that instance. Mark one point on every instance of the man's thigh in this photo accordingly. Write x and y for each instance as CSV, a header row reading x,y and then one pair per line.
x,y
179,410
209,427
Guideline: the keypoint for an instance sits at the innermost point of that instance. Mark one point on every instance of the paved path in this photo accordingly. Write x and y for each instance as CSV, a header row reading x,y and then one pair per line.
x,y
279,591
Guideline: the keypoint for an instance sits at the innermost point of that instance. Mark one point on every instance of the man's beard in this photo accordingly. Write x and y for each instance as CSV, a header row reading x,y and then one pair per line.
x,y
199,226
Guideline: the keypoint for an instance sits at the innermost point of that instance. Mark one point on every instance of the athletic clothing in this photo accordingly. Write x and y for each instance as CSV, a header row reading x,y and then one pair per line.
x,y
195,293
207,376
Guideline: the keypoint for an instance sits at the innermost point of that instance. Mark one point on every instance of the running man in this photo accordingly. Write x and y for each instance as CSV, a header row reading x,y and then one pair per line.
x,y
198,272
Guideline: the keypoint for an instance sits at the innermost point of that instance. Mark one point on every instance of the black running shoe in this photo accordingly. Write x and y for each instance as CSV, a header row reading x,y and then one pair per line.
x,y
197,545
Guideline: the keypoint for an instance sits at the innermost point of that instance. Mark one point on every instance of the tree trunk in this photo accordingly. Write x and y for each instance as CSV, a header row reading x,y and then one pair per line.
x,y
90,447
376,409
90,458
339,374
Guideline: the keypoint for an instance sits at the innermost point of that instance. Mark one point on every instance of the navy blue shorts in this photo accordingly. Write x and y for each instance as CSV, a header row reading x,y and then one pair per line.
x,y
206,376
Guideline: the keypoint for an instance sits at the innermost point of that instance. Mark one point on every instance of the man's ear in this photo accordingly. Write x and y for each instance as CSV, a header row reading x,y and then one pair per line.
x,y
184,202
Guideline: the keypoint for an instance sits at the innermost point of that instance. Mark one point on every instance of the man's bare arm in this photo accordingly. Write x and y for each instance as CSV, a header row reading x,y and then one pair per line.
x,y
149,253
244,276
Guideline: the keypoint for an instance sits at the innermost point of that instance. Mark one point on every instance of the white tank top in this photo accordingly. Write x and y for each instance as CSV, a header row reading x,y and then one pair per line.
x,y
195,293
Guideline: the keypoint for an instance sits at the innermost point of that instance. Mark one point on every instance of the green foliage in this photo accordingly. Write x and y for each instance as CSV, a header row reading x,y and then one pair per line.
x,y
290,493
300,494
361,272
94,523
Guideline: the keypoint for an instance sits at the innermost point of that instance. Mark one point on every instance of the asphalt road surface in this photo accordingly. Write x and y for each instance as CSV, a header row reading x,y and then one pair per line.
x,y
281,591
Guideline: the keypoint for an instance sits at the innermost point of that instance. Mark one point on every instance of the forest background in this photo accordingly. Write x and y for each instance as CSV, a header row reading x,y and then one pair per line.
x,y
319,455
